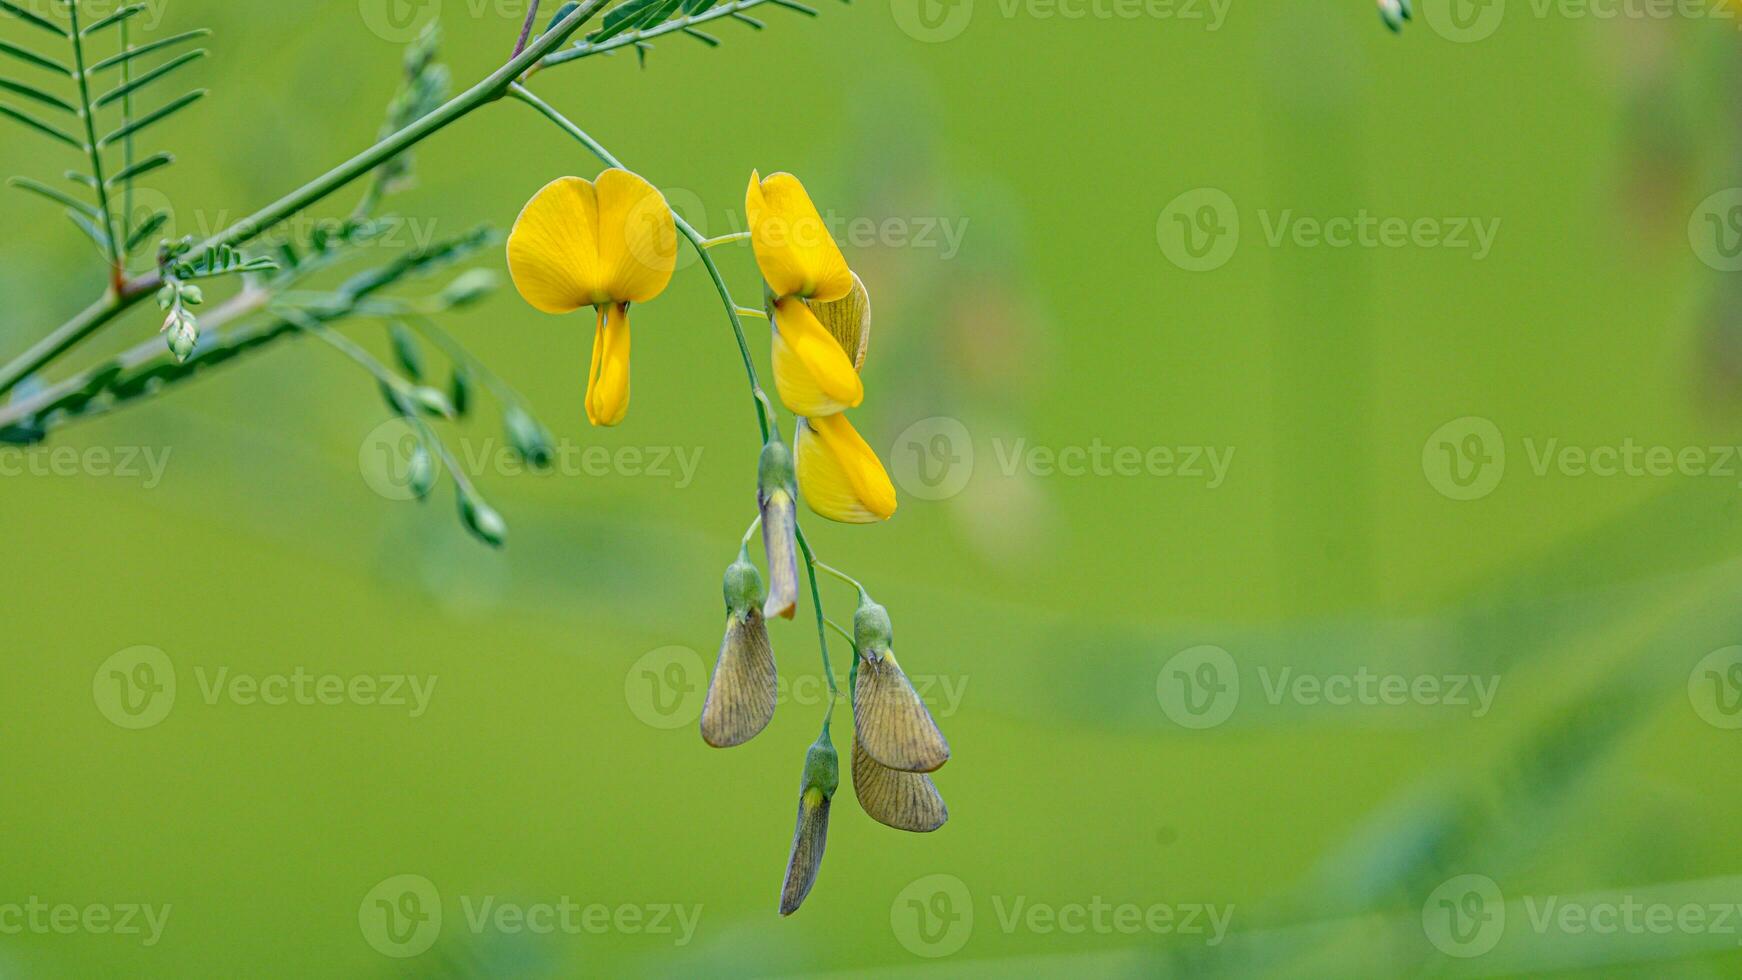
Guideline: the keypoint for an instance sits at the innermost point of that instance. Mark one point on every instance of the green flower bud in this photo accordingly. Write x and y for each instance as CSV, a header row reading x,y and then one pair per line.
x,y
531,440
484,523
873,633
743,585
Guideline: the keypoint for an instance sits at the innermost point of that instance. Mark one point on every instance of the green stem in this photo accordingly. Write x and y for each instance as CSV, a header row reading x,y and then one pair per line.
x,y
116,274
843,576
125,295
810,561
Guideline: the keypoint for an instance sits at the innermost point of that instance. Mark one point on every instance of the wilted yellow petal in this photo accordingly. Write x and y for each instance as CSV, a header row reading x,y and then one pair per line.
x,y
808,841
742,693
838,474
608,381
793,246
891,722
812,372
779,528
903,800
553,252
637,237
848,320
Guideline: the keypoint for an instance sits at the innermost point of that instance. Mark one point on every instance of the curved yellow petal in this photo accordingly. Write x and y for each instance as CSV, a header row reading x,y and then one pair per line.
x,y
793,246
637,237
813,374
553,252
839,476
608,381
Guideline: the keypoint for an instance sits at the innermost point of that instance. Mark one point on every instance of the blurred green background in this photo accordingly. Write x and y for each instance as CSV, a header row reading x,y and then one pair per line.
x,y
1057,621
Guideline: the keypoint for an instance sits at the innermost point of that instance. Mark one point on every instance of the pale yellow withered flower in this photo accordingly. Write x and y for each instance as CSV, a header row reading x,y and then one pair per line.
x,y
743,691
604,243
903,800
890,721
822,776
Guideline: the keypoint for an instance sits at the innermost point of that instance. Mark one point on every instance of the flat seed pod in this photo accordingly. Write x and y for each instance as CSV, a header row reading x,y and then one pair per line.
x,y
903,800
808,840
742,694
891,722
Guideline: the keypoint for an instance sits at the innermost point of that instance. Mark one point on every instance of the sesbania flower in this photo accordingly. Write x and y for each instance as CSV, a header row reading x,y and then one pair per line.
x,y
604,243
821,316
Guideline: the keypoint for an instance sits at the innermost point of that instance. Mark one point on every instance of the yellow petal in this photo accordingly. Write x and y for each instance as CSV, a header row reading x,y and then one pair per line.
x,y
553,252
797,254
812,373
608,382
637,237
838,474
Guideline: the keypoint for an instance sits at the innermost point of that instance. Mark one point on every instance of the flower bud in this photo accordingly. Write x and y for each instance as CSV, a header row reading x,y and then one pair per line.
x,y
742,693
530,439
470,287
889,719
181,333
777,490
822,776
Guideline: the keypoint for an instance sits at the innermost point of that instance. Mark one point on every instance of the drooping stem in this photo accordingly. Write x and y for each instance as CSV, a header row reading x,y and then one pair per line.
x,y
810,560
127,293
526,30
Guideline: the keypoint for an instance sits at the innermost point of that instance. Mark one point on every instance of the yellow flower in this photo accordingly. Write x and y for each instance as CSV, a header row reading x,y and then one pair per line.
x,y
811,371
797,254
604,243
839,475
